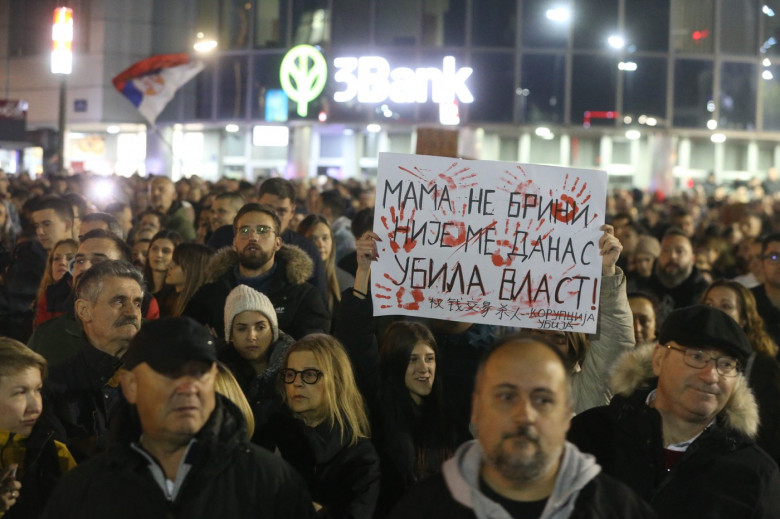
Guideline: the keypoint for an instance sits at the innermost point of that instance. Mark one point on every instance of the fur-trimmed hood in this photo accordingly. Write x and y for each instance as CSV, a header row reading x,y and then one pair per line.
x,y
634,370
298,266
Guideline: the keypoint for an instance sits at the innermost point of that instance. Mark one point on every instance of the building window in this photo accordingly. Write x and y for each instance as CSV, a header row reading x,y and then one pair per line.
x,y
594,22
493,87
494,26
594,81
738,27
647,25
311,22
692,26
693,102
737,104
270,29
232,87
541,96
351,22
267,90
444,23
397,22
770,98
543,28
644,89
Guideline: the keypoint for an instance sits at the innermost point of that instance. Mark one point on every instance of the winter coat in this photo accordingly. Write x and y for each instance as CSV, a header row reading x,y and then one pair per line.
x,y
580,492
79,395
614,336
687,293
260,390
723,473
343,478
42,461
300,308
19,288
768,312
228,478
177,219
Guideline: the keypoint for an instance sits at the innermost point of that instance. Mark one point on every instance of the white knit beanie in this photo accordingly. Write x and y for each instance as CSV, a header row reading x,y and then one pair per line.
x,y
243,298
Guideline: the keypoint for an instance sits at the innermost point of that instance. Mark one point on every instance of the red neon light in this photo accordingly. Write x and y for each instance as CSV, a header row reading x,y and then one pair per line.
x,y
597,114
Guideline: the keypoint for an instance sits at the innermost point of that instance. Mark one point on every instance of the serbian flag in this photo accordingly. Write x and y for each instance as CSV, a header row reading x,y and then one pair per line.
x,y
151,83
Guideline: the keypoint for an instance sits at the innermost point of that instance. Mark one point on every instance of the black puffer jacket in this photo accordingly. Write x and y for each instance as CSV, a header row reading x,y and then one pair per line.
x,y
343,478
228,478
260,390
300,308
723,473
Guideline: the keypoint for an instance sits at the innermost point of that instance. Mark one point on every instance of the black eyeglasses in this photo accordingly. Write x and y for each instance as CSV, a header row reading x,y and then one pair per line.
x,y
726,366
261,230
308,376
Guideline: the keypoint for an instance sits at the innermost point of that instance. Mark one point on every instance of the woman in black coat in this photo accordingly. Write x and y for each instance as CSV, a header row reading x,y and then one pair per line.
x,y
324,430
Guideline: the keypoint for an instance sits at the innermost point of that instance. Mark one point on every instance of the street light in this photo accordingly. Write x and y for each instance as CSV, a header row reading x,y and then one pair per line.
x,y
62,65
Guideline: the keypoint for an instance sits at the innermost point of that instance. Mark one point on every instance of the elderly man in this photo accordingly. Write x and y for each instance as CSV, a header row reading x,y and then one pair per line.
x,y
680,429
162,196
180,450
80,390
521,465
59,334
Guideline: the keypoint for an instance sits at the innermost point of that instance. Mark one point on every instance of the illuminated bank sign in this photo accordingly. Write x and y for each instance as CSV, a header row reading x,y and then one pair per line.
x,y
371,80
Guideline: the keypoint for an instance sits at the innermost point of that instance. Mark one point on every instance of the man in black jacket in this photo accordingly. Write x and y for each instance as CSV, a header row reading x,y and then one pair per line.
x,y
680,429
259,260
179,449
768,294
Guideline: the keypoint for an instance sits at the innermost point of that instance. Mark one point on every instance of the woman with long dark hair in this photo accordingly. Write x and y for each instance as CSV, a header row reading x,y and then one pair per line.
x,y
157,262
187,273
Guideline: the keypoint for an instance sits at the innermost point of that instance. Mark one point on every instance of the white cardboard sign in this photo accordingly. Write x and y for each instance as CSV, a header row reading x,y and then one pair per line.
x,y
488,242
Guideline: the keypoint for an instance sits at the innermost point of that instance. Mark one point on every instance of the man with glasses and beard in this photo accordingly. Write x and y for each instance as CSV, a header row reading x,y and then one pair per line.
x,y
681,428
520,465
81,390
261,261
676,282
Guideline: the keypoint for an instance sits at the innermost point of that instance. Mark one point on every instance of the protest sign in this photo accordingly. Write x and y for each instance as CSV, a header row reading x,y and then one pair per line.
x,y
488,242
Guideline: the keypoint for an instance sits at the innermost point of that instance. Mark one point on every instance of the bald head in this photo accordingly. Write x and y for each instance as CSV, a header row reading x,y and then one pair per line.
x,y
162,192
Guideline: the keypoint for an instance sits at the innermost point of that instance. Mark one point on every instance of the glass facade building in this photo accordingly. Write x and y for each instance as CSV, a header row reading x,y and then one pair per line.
x,y
645,89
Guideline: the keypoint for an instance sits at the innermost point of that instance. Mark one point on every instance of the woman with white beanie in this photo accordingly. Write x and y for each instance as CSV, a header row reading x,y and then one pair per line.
x,y
254,349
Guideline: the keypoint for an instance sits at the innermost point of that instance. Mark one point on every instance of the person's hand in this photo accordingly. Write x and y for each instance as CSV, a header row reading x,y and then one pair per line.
x,y
366,250
610,249
9,488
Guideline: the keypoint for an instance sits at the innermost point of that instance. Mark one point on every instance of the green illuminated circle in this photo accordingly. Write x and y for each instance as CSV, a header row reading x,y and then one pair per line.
x,y
303,75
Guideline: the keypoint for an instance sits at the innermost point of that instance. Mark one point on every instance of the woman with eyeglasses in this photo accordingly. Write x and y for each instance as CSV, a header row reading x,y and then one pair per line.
x,y
54,279
158,260
324,431
762,370
31,461
253,350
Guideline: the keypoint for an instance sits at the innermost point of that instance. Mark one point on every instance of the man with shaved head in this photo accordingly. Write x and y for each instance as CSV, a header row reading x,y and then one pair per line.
x,y
521,465
162,197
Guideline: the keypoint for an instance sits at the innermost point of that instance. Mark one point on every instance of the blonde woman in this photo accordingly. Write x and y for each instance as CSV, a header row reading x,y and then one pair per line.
x,y
324,430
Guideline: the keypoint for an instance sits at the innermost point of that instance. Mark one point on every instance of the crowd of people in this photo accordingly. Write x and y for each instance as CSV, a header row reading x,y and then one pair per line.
x,y
191,349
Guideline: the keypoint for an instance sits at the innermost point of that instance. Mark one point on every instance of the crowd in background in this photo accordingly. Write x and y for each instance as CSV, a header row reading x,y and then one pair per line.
x,y
278,271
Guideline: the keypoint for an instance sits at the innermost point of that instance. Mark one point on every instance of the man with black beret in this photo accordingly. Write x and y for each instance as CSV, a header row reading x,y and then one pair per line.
x,y
680,430
178,448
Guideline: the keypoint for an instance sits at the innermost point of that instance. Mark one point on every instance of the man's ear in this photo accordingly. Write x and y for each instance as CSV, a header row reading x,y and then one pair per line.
x,y
278,244
129,385
83,310
659,353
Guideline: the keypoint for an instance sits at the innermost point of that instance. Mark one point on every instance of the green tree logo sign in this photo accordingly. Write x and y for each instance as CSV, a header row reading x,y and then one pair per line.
x,y
303,75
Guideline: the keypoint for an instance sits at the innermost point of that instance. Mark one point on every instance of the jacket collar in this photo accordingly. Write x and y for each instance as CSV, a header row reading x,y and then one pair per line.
x,y
292,262
634,371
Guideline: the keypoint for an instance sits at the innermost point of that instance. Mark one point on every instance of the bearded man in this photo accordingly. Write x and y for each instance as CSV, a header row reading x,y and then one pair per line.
x,y
259,260
676,282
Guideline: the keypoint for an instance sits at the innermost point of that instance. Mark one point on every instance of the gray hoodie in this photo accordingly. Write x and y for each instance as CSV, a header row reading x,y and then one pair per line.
x,y
461,473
